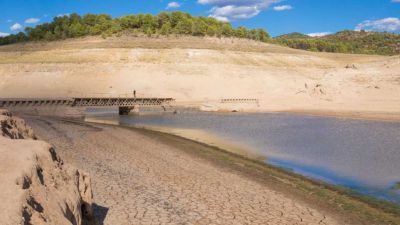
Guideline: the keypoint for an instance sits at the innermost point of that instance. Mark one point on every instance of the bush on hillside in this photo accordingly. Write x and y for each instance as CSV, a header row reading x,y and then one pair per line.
x,y
347,41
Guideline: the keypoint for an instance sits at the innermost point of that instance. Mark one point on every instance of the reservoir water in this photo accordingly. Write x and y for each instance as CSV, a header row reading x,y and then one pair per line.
x,y
357,154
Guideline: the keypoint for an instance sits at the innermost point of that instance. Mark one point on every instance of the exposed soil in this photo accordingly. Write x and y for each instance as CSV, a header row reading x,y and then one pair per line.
x,y
139,180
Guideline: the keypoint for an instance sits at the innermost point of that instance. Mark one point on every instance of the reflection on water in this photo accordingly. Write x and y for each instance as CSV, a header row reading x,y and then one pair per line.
x,y
362,155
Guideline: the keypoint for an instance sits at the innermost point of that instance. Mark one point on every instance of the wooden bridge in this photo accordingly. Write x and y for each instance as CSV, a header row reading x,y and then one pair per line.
x,y
125,104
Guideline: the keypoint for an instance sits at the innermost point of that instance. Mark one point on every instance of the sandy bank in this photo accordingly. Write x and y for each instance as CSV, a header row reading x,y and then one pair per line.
x,y
359,115
141,177
36,188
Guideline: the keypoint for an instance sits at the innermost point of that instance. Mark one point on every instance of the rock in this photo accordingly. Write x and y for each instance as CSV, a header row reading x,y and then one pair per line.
x,y
36,187
352,66
13,127
4,112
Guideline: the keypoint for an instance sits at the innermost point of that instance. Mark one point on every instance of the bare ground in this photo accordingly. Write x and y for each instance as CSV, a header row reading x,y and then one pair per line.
x,y
202,72
139,180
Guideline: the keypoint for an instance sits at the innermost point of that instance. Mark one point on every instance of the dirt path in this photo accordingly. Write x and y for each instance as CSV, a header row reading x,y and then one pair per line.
x,y
139,180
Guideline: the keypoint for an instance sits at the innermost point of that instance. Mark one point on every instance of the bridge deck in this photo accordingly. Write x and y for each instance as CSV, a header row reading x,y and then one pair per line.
x,y
83,102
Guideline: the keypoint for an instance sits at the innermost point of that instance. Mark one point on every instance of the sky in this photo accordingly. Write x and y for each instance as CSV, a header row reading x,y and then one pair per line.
x,y
313,17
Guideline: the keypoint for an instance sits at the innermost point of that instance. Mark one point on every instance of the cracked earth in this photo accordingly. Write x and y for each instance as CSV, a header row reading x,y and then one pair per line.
x,y
139,180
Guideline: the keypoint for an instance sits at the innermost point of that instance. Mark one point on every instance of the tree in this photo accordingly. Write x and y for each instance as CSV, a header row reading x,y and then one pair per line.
x,y
199,28
163,18
176,17
241,32
149,23
166,28
262,35
227,30
77,30
75,18
211,31
184,26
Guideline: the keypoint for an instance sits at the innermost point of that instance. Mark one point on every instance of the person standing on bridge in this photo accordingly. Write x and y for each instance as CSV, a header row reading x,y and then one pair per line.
x,y
134,93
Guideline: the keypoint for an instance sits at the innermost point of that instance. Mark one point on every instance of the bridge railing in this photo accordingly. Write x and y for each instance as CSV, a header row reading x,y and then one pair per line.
x,y
81,102
240,100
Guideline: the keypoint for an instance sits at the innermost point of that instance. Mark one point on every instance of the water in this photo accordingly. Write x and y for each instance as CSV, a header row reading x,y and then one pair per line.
x,y
361,155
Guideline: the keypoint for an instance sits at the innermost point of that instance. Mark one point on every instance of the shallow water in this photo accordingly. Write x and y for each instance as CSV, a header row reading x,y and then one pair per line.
x,y
361,155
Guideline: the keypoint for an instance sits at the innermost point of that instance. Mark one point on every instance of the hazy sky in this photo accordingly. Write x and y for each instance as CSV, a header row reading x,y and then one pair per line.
x,y
316,17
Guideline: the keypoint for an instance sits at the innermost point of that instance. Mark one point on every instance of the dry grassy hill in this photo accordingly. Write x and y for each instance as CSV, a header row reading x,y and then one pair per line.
x,y
204,71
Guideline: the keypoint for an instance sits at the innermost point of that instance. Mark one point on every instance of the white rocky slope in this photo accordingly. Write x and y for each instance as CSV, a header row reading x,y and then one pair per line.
x,y
36,187
202,71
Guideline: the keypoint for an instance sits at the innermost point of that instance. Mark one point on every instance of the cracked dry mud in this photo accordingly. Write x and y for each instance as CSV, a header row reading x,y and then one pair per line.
x,y
139,180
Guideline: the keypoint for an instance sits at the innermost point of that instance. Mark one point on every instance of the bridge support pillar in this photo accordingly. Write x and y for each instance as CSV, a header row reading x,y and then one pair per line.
x,y
126,110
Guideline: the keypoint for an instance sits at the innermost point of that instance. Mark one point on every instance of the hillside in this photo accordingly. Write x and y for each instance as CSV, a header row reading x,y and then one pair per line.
x,y
293,35
202,71
165,23
360,42
180,24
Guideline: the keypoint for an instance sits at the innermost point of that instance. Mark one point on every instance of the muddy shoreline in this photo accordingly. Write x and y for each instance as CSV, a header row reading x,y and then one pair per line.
x,y
357,115
299,187
122,186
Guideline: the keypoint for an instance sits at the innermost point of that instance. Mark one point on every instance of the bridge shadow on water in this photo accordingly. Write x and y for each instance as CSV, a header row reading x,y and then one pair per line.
x,y
100,212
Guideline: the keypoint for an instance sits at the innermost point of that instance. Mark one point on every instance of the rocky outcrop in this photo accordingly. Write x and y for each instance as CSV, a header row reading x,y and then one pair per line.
x,y
36,187
14,127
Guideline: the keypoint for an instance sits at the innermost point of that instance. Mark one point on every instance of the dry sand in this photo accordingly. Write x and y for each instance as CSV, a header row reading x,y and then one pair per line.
x,y
203,71
140,180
